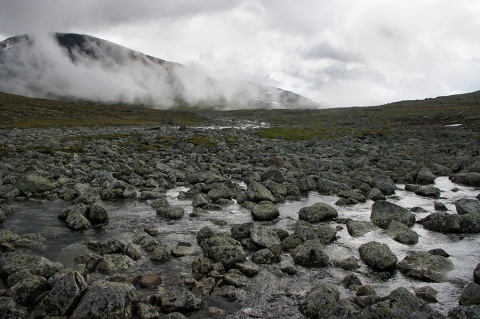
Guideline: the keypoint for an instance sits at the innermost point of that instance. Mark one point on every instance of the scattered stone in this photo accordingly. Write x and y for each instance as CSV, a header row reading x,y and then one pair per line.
x,y
384,212
171,212
402,234
319,301
264,256
33,183
177,300
223,249
425,266
310,254
428,191
149,280
439,206
359,228
425,176
317,212
470,206
385,184
476,274
378,256
265,211
439,252
470,295
97,214
349,263
256,193
427,293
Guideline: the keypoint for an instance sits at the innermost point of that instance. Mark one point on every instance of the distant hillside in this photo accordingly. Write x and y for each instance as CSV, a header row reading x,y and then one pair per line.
x,y
84,68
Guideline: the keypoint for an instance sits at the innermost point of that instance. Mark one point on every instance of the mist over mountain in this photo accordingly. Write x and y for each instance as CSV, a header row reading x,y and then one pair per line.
x,y
81,67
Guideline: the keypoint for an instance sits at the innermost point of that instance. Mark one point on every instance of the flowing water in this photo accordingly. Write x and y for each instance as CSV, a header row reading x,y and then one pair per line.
x,y
270,294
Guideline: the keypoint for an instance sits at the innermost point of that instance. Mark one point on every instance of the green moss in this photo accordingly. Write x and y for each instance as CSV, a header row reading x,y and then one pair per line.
x,y
202,140
294,133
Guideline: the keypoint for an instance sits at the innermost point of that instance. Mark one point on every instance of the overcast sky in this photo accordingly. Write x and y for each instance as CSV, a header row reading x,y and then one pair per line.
x,y
338,53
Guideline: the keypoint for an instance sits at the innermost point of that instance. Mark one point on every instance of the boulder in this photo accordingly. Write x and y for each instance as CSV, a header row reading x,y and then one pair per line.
x,y
428,191
451,223
105,300
26,291
384,212
320,301
317,212
310,254
235,278
200,200
149,280
33,183
349,263
470,295
202,265
241,231
427,293
476,274
378,256
469,179
385,184
249,269
78,221
13,262
171,212
264,236
274,174
264,256
470,206
329,187
376,194
65,294
8,191
265,211
465,312
425,176
159,253
256,193
401,233
10,309
306,231
97,214
112,262
425,266
177,300
223,249
359,228
3,216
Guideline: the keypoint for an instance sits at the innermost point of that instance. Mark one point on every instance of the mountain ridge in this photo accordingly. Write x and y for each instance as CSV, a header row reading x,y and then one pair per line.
x,y
70,66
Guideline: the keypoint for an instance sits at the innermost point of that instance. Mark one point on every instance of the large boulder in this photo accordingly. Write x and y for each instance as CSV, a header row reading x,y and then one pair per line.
x,y
465,312
425,266
469,179
105,300
306,231
26,292
358,228
65,294
10,309
14,262
385,184
77,221
310,254
317,212
401,233
33,183
428,191
470,206
265,210
177,300
451,223
378,256
425,176
384,212
329,187
264,237
470,295
256,193
223,249
320,301
97,214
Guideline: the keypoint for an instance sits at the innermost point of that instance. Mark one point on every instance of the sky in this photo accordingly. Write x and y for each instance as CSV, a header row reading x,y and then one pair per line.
x,y
337,53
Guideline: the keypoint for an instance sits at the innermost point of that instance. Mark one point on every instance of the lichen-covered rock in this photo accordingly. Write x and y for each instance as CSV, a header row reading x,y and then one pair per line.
x,y
13,262
306,231
177,300
256,193
470,295
317,213
97,214
264,256
469,178
465,312
319,301
402,234
378,256
265,211
78,221
223,249
358,228
348,263
384,212
171,212
111,262
33,183
263,236
26,291
425,266
425,176
9,309
385,184
310,254
428,191
469,206
106,300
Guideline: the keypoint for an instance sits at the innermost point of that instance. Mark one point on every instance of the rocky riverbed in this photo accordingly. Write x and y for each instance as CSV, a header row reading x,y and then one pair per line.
x,y
203,222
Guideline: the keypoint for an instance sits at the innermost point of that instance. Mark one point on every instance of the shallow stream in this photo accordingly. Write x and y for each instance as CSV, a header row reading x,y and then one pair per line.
x,y
271,294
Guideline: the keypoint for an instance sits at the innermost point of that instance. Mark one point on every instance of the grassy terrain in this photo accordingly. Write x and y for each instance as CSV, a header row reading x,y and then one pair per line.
x,y
23,112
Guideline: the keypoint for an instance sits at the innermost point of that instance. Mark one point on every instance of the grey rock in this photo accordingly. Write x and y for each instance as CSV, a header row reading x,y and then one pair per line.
x,y
10,309
256,193
359,228
26,291
378,256
200,200
241,231
349,263
469,206
159,253
428,191
78,221
306,231
329,187
320,301
113,262
469,179
221,191
265,211
351,282
264,236
171,212
465,312
97,214
33,183
476,274
235,278
353,194
384,212
202,265
317,212
105,299
425,176
402,234
177,300
425,266
310,254
385,184
8,191
451,223
264,256
427,293
249,269
470,295
376,194
64,295
223,249
3,216
439,252
147,311
274,174
130,192
439,206
12,262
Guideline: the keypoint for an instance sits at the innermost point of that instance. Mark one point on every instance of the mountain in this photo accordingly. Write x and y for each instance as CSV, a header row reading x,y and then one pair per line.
x,y
78,67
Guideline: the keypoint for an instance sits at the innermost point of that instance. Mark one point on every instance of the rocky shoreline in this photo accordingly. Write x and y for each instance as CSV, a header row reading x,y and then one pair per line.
x,y
88,168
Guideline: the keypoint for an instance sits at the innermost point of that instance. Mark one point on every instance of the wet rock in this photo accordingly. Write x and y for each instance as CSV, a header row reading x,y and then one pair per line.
x,y
378,256
171,212
310,254
249,269
329,187
400,303
147,311
384,212
469,179
203,287
428,191
204,233
355,195
223,249
443,222
7,236
159,253
220,191
10,309
470,206
470,295
97,214
241,231
105,299
273,174
235,278
349,263
200,200
264,256
439,252
476,274
425,176
317,212
402,234
256,193
277,161
177,300
376,194
13,262
26,291
202,265
8,191
425,266
64,295
78,221
359,228
365,290
33,184
265,211
427,293
319,301
114,262
439,206
385,184
130,192
465,312
149,280
351,282
226,291
306,231
3,216
264,237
